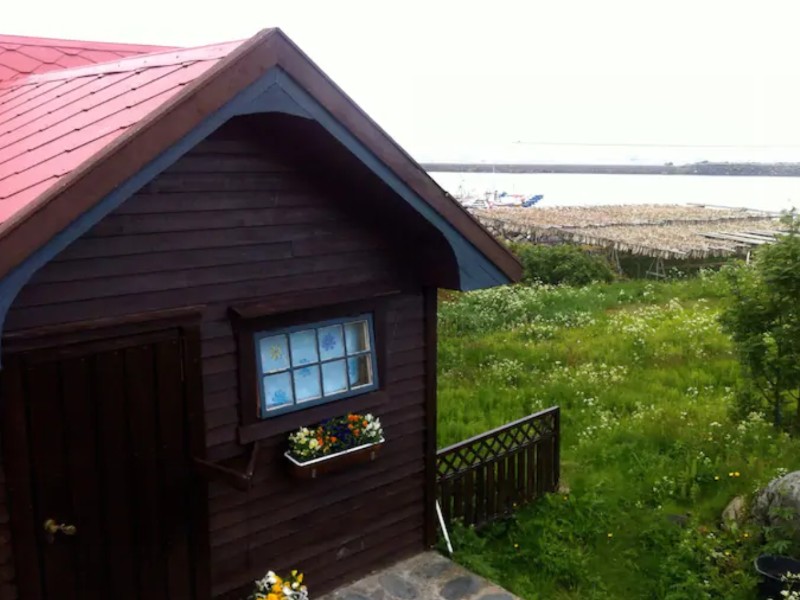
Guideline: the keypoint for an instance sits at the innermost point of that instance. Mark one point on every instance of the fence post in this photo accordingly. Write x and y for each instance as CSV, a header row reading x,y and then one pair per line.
x,y
557,449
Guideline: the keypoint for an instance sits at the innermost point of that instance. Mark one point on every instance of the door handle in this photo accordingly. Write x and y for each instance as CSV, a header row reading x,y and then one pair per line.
x,y
51,528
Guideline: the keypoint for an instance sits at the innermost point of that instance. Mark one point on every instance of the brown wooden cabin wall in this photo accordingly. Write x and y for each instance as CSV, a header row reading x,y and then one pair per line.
x,y
8,590
230,223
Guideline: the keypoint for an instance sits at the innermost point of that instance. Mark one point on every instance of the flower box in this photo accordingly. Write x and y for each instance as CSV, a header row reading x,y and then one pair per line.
x,y
311,469
334,444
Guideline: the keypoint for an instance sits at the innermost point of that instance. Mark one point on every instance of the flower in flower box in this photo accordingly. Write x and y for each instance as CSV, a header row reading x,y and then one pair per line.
x,y
274,587
333,444
335,435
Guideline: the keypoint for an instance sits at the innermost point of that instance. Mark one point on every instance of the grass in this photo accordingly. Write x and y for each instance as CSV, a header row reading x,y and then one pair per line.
x,y
652,449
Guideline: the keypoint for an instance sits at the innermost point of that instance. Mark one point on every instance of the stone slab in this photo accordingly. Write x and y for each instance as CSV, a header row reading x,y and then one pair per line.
x,y
426,576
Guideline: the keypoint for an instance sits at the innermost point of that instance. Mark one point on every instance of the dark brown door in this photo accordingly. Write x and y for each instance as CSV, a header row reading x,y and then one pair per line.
x,y
97,451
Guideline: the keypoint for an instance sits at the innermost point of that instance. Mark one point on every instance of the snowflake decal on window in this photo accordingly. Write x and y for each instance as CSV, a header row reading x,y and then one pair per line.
x,y
280,397
304,372
276,353
328,342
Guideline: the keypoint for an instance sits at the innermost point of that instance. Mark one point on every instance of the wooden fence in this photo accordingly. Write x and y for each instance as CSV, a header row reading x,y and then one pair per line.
x,y
487,476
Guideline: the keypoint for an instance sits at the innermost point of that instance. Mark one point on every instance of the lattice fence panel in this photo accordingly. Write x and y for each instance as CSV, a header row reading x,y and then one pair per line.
x,y
486,477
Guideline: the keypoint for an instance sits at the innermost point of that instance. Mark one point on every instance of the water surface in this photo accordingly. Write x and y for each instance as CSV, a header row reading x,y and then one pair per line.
x,y
564,189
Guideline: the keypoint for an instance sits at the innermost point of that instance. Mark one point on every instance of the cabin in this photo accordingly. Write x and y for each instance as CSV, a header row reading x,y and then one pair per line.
x,y
201,250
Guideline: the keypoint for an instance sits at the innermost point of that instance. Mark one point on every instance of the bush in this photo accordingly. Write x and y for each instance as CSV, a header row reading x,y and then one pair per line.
x,y
763,318
563,263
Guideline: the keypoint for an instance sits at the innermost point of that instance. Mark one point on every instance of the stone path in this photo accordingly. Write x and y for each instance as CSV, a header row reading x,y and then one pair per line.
x,y
426,576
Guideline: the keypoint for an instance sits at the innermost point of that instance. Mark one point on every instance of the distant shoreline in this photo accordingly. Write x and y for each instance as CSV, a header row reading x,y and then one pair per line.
x,y
704,168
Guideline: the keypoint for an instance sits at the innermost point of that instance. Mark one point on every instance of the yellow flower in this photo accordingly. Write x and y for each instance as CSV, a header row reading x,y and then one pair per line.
x,y
610,535
516,545
730,474
277,587
746,535
727,552
736,473
300,578
716,477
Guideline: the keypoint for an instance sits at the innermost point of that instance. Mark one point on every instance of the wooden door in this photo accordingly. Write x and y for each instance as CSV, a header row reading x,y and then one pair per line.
x,y
97,438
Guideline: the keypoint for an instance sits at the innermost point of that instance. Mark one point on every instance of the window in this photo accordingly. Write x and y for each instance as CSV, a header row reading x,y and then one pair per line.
x,y
316,363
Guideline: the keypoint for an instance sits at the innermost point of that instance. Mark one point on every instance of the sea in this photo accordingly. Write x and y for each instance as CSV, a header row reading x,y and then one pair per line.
x,y
774,194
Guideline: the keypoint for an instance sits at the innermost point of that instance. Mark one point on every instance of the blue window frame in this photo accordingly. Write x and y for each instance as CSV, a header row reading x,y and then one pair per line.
x,y
315,363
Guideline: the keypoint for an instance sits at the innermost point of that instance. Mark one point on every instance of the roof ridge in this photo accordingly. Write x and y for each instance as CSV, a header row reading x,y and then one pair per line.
x,y
26,40
130,63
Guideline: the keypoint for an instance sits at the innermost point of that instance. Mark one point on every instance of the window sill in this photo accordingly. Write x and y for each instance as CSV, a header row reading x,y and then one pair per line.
x,y
289,422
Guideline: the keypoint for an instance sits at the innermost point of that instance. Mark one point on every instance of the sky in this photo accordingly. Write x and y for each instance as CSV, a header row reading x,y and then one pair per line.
x,y
551,80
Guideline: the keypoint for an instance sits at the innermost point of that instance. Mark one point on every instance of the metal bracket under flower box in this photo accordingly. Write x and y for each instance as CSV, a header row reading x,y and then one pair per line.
x,y
311,469
234,475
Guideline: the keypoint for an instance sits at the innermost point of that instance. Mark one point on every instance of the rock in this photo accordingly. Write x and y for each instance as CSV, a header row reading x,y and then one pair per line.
x,y
734,513
778,504
679,520
434,569
354,596
398,587
457,588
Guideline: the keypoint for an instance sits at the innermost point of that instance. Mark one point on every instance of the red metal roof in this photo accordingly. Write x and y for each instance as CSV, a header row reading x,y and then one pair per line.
x,y
69,137
51,123
21,55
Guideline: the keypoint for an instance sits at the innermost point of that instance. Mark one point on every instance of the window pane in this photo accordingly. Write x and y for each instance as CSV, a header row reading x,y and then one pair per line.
x,y
304,347
357,336
277,391
306,383
360,370
331,343
274,353
334,379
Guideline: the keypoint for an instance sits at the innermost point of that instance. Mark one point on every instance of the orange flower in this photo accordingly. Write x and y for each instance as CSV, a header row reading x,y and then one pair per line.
x,y
364,423
319,441
356,432
333,439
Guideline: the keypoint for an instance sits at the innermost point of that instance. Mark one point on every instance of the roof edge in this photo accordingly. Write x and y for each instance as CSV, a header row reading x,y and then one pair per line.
x,y
297,64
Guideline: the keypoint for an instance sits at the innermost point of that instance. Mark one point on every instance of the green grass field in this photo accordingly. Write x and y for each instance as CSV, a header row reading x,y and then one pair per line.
x,y
652,448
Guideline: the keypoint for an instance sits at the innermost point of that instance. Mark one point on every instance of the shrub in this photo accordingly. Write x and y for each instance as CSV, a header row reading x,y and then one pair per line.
x,y
563,263
763,318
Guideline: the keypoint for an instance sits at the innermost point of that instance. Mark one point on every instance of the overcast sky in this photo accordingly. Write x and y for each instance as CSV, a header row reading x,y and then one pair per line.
x,y
468,79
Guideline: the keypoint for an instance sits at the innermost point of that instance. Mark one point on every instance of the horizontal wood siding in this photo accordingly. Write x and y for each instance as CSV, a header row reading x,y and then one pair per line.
x,y
8,590
229,224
